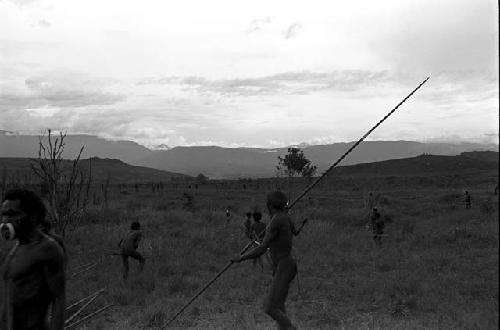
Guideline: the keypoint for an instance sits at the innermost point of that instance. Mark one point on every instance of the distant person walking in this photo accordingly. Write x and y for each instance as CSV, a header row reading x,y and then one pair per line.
x,y
377,225
278,239
467,200
129,245
369,204
228,215
496,189
257,232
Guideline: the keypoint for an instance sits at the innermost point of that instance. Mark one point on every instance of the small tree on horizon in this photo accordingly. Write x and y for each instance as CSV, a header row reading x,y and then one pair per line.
x,y
293,164
201,178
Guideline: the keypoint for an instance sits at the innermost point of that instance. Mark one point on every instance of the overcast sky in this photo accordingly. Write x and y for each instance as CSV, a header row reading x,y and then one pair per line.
x,y
250,73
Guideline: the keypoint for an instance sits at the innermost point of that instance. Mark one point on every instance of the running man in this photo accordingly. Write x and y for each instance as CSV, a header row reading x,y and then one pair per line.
x,y
33,272
278,239
129,246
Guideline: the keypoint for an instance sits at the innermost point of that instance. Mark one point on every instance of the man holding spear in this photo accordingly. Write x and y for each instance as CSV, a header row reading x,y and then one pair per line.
x,y
281,274
278,239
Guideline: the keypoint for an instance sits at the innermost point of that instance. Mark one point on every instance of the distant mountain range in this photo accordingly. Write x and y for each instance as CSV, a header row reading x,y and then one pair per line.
x,y
231,163
19,170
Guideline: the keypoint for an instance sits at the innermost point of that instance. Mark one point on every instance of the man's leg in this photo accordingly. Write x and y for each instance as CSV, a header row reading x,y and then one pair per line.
x,y
137,256
125,265
142,261
275,302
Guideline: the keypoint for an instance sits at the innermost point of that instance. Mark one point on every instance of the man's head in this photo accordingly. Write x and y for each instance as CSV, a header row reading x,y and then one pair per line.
x,y
22,212
257,216
248,215
276,201
135,226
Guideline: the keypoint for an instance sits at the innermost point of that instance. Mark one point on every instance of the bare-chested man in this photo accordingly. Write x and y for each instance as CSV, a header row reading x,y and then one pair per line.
x,y
129,245
257,232
278,239
33,271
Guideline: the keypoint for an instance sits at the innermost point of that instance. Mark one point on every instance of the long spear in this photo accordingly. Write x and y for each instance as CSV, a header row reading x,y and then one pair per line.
x,y
290,205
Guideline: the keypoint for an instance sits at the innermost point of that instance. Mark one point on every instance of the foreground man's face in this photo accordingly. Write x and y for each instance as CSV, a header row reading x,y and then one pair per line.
x,y
11,212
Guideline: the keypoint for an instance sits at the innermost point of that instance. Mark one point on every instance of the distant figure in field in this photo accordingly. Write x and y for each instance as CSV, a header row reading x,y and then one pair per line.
x,y
228,215
496,189
369,204
33,272
377,225
129,245
467,200
247,224
278,239
257,232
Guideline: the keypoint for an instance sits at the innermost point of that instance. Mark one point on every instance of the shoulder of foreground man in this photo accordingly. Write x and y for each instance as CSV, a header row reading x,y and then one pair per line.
x,y
51,248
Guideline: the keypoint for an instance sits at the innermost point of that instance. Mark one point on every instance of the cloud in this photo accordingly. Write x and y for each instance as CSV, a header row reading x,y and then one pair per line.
x,y
466,37
22,3
450,89
258,24
57,90
292,31
44,23
293,82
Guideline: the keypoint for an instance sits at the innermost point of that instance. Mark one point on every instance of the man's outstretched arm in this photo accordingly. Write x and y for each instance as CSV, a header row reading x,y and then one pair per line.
x,y
271,233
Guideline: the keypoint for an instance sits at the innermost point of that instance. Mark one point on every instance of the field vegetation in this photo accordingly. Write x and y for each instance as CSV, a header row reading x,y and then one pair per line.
x,y
437,268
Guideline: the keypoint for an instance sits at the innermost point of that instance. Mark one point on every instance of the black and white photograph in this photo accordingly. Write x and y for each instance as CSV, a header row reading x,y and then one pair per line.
x,y
249,165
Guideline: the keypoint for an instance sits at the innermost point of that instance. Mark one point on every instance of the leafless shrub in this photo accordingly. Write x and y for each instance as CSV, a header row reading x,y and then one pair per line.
x,y
67,186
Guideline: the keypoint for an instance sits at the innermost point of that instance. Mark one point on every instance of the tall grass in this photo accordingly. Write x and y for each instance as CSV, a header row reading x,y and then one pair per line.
x,y
426,279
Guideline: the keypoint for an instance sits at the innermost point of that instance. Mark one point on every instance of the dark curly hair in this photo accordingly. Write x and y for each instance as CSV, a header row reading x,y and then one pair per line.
x,y
277,200
135,225
29,201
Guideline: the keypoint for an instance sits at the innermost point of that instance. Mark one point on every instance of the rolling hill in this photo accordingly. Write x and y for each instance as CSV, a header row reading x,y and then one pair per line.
x,y
466,162
115,169
231,163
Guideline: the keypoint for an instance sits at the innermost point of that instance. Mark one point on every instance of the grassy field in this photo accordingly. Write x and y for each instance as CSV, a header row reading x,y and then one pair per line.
x,y
432,277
